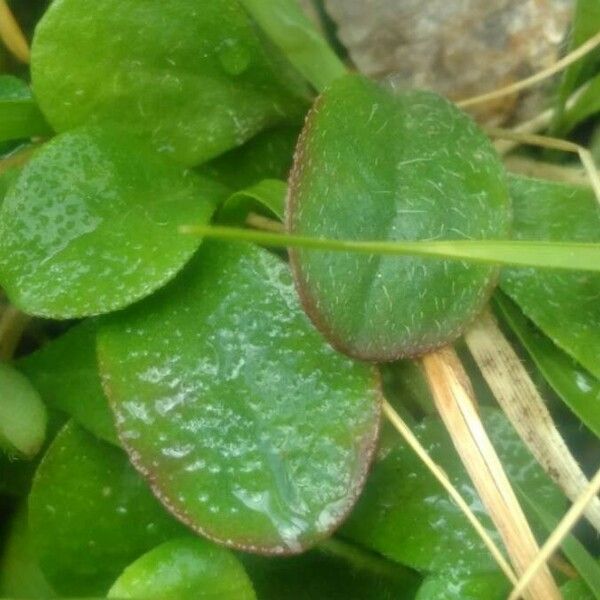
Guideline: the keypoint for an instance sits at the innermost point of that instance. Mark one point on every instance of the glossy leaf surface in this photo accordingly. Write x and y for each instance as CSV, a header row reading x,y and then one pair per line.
x,y
19,115
91,514
184,569
564,305
406,515
22,414
90,224
372,165
65,372
195,81
249,426
578,388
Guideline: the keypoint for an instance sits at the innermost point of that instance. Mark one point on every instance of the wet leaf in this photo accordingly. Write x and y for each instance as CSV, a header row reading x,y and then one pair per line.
x,y
19,115
91,514
406,515
267,198
184,569
564,305
23,415
65,372
453,586
195,81
90,224
372,165
578,388
248,425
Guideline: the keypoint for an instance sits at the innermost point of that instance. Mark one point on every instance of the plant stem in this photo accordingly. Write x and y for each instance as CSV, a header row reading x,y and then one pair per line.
x,y
11,34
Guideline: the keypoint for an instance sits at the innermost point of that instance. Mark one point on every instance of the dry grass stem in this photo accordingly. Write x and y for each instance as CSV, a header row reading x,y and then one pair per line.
x,y
548,171
558,535
264,223
12,325
410,438
17,159
453,397
11,34
522,404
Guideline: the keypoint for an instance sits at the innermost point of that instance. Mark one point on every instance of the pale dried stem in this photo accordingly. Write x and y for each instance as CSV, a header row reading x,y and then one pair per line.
x,y
410,438
522,404
17,159
558,535
12,325
264,223
558,66
453,397
11,34
544,170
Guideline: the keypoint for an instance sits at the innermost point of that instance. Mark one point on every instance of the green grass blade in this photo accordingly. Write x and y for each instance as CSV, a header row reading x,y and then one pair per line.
x,y
574,256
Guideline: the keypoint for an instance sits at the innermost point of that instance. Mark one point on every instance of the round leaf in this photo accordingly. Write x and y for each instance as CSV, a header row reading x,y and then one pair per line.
x,y
372,165
195,80
250,428
91,514
185,569
22,414
90,225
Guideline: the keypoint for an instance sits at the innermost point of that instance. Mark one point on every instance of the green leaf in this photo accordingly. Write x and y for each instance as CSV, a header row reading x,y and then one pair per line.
x,y
373,165
267,197
267,156
90,514
20,573
407,516
90,224
252,430
563,305
586,105
579,390
290,29
65,372
23,415
20,116
195,81
576,590
335,570
184,569
454,586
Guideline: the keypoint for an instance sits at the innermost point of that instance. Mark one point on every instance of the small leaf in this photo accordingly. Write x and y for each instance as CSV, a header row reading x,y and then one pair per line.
x,y
250,428
450,585
579,390
563,305
65,371
184,569
267,197
23,415
372,165
90,514
20,116
194,80
586,105
90,224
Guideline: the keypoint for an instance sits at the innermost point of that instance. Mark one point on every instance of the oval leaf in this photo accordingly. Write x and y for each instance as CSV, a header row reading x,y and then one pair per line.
x,y
251,429
22,414
374,166
194,80
90,225
564,305
91,514
185,569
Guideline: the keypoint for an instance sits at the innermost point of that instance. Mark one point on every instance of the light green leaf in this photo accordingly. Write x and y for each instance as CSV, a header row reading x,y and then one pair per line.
x,y
375,165
65,371
579,390
195,80
563,305
91,514
455,586
90,224
250,427
587,104
267,197
184,569
23,415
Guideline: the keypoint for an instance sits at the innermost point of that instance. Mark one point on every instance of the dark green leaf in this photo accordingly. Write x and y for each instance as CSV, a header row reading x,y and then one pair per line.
x,y
563,305
23,415
267,197
90,514
20,116
90,224
249,426
65,372
194,80
579,390
184,569
587,104
372,165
